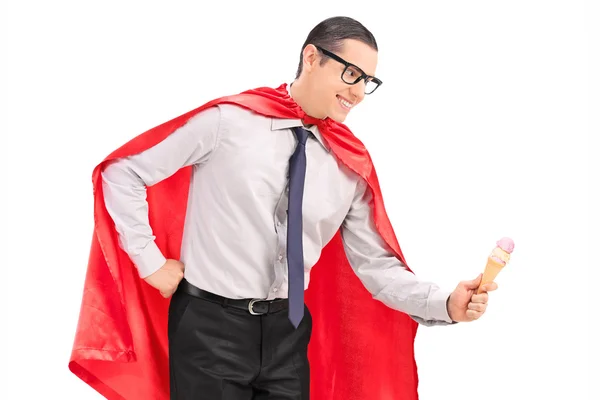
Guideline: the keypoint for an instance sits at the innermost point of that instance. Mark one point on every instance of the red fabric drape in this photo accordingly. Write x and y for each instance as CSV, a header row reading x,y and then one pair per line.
x,y
360,349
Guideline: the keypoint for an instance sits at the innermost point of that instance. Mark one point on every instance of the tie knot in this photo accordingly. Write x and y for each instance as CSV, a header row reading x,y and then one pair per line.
x,y
301,135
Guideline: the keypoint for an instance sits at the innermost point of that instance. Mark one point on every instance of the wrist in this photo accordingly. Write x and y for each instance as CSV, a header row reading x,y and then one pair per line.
x,y
449,310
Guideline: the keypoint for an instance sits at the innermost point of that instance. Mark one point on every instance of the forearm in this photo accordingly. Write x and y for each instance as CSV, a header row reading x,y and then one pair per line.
x,y
124,183
125,199
424,301
388,280
385,276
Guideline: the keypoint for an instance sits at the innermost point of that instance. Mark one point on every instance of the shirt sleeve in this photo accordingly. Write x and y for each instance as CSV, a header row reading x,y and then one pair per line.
x,y
385,276
124,183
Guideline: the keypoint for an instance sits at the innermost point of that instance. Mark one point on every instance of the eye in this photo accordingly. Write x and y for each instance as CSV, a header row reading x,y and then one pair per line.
x,y
353,73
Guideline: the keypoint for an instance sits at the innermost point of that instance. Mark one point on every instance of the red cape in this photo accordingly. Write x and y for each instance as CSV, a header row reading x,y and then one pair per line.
x,y
360,349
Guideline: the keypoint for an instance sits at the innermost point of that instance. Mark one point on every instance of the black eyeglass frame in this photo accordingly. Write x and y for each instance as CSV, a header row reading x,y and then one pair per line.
x,y
368,78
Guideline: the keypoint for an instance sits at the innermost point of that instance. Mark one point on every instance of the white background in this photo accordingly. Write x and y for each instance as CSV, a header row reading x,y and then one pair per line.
x,y
482,129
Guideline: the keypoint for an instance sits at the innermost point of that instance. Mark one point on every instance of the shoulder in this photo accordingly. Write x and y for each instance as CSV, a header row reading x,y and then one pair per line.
x,y
234,116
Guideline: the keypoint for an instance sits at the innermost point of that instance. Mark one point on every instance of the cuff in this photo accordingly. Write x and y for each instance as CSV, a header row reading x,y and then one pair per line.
x,y
149,260
438,306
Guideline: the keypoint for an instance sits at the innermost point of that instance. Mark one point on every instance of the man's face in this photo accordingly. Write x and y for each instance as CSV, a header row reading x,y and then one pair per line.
x,y
334,97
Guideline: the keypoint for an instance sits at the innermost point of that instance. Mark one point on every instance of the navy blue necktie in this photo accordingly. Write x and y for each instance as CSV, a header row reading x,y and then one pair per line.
x,y
295,254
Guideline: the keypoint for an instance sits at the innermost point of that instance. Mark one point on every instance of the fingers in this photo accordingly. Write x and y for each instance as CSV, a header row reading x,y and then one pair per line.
x,y
478,304
474,284
477,307
167,278
181,267
481,307
166,293
473,315
480,298
172,282
489,287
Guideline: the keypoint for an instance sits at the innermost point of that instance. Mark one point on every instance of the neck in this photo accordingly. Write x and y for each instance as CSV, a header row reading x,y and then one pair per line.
x,y
301,93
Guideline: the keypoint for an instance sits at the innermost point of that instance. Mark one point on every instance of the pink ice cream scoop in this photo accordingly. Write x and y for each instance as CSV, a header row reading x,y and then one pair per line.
x,y
506,244
499,257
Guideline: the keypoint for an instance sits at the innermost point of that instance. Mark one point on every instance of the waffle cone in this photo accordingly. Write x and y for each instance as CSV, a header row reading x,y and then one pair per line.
x,y
492,269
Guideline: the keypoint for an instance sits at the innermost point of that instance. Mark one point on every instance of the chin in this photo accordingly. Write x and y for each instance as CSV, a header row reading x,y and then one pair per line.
x,y
338,117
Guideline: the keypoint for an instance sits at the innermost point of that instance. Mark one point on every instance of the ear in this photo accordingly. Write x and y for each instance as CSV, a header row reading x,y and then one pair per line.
x,y
310,58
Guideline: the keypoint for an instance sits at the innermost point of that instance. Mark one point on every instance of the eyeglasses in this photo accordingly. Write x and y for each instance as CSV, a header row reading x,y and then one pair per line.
x,y
353,74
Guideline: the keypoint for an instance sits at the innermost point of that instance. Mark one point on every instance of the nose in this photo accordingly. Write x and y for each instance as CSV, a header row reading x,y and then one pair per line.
x,y
358,91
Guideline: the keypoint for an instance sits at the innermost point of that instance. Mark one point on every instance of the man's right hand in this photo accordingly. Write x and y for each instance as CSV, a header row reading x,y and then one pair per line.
x,y
167,278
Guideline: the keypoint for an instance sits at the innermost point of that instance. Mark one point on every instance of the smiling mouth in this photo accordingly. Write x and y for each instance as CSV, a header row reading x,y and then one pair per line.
x,y
345,103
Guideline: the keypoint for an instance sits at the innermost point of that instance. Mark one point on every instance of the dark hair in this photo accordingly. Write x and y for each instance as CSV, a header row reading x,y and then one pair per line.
x,y
331,33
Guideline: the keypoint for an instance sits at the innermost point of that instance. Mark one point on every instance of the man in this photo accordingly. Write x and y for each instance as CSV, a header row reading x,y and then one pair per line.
x,y
267,193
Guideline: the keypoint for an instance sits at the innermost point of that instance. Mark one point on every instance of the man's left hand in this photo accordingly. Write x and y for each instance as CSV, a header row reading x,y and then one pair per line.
x,y
464,304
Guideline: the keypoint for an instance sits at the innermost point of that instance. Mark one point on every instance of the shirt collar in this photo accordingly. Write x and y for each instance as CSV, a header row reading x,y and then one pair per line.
x,y
288,123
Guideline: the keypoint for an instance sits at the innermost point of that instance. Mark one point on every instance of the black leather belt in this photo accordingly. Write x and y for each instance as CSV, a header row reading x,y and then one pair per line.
x,y
253,306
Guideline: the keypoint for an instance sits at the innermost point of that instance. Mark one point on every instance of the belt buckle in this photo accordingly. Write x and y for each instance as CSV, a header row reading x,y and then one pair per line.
x,y
251,307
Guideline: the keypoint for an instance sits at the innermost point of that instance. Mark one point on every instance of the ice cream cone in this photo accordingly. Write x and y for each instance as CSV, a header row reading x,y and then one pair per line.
x,y
496,261
492,269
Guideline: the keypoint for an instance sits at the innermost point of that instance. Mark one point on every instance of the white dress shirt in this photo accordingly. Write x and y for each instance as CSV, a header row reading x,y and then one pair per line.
x,y
234,239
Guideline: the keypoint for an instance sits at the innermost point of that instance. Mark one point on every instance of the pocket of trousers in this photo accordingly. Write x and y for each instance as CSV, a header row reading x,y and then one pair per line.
x,y
180,303
300,357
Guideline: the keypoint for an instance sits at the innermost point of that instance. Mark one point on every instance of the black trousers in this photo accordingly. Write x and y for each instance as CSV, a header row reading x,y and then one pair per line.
x,y
223,353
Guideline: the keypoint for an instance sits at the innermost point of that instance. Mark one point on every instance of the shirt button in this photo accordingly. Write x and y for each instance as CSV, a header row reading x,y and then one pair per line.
x,y
275,290
280,257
